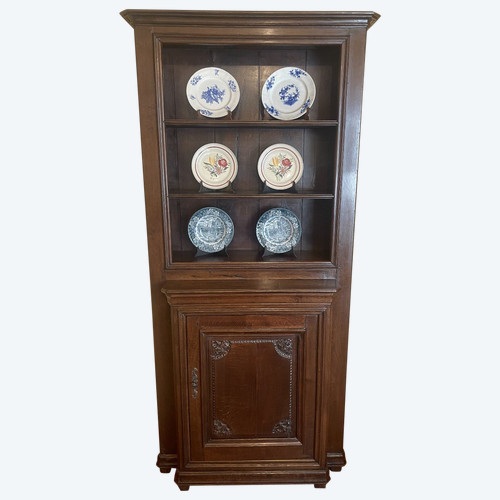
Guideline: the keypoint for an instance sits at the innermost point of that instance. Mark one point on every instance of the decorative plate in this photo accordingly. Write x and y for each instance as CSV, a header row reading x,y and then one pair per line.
x,y
278,230
280,166
214,166
288,93
213,92
210,229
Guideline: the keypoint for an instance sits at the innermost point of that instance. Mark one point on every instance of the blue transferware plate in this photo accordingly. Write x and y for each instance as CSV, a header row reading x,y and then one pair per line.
x,y
278,230
288,93
210,229
213,92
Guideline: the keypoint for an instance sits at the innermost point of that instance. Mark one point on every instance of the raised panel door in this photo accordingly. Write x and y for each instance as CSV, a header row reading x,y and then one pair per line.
x,y
252,387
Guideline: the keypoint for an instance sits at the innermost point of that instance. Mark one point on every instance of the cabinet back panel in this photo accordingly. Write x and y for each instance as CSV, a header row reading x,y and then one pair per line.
x,y
316,146
250,67
315,217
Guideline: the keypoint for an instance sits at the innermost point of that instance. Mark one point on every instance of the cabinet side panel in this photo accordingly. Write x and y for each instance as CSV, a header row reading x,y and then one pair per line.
x,y
154,216
350,121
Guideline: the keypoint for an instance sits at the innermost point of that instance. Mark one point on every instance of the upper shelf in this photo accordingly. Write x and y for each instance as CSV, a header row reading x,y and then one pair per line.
x,y
222,123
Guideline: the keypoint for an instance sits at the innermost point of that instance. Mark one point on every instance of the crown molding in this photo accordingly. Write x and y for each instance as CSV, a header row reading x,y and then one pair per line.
x,y
342,19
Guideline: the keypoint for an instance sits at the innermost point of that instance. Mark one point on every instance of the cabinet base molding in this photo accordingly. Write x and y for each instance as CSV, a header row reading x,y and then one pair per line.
x,y
184,479
165,462
336,460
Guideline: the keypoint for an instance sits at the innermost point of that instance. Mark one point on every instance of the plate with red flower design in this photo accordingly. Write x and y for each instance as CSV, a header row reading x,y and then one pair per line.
x,y
280,166
214,166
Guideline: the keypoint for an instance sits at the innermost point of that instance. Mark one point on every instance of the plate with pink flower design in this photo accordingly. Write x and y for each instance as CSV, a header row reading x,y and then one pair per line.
x,y
213,92
214,166
280,166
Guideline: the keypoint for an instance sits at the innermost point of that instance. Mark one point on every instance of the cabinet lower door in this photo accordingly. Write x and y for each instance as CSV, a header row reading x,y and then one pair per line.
x,y
251,391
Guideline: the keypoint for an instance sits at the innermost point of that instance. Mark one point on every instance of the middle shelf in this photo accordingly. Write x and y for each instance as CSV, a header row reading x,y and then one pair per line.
x,y
250,195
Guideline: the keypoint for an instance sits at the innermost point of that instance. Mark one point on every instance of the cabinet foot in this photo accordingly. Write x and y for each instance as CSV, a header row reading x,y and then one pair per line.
x,y
336,468
183,487
321,485
165,470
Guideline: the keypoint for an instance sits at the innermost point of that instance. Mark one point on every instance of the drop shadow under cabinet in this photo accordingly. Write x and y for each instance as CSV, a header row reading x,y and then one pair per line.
x,y
250,349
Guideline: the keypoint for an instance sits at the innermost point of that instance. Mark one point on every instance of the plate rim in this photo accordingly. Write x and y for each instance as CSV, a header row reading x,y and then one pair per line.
x,y
282,146
223,112
260,235
293,115
225,215
230,153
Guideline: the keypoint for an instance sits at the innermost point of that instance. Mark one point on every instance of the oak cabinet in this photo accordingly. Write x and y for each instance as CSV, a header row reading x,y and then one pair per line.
x,y
250,347
251,385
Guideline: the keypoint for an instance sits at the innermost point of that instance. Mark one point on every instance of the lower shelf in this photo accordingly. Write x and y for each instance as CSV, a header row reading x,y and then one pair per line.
x,y
249,256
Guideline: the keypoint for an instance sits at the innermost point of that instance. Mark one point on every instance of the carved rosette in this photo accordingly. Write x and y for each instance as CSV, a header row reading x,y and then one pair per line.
x,y
220,428
220,348
283,428
284,347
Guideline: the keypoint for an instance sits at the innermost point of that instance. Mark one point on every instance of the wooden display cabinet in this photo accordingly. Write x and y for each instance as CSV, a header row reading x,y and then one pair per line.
x,y
250,351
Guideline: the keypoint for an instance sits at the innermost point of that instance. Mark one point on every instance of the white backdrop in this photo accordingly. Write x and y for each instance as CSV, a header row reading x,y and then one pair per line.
x,y
78,417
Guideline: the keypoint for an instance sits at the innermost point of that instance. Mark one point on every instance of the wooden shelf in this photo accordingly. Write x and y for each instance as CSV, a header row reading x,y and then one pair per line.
x,y
250,256
262,196
222,123
250,286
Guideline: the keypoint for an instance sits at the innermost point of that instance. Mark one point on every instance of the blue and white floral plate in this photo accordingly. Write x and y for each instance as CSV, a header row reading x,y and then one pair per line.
x,y
278,230
213,92
280,166
288,93
214,166
210,229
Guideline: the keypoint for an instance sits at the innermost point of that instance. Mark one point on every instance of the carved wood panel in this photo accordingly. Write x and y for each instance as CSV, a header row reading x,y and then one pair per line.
x,y
252,385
